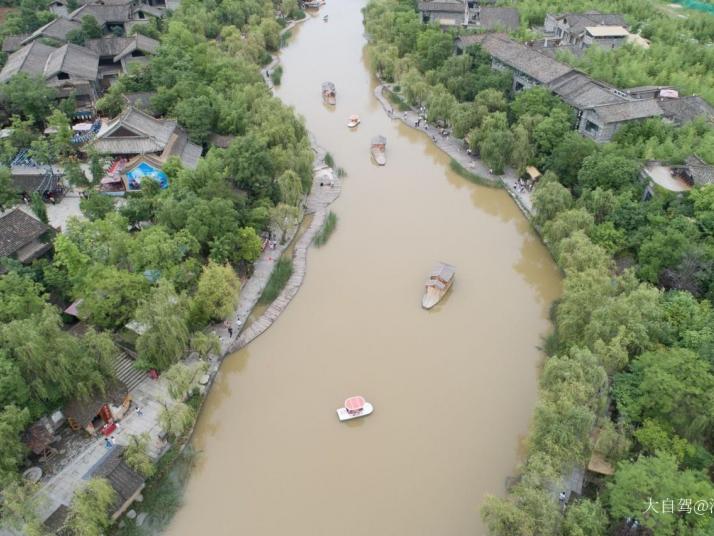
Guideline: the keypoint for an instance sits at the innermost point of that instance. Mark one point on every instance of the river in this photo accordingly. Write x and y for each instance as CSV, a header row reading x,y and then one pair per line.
x,y
453,388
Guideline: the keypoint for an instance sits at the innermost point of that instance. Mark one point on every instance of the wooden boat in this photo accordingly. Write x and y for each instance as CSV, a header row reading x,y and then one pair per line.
x,y
354,121
329,93
379,146
355,407
438,284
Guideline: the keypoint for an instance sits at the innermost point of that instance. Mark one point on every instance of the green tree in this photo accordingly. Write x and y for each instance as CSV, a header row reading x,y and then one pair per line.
x,y
657,478
8,195
568,155
175,419
13,421
27,97
96,206
182,378
440,105
577,253
18,510
164,319
550,198
38,207
20,297
216,295
112,102
433,48
205,344
197,115
284,217
90,510
566,223
673,386
290,188
585,518
110,296
607,170
136,455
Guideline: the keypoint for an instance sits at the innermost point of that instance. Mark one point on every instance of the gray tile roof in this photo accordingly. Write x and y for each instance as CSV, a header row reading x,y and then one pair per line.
x,y
447,6
579,21
701,172
135,132
491,18
78,62
628,111
13,43
524,59
17,229
582,92
57,29
30,59
122,478
109,46
685,109
105,14
139,42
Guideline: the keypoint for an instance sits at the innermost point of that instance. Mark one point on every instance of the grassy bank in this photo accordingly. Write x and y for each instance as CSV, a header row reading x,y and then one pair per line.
x,y
278,279
466,174
397,101
327,229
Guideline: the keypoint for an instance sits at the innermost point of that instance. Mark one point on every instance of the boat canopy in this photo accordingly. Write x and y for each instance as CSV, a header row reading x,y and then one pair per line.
x,y
355,403
328,86
379,140
443,271
436,283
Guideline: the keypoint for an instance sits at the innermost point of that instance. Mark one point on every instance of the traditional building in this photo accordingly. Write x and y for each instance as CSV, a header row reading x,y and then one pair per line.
x,y
600,109
469,14
116,54
126,482
21,236
135,133
56,31
586,29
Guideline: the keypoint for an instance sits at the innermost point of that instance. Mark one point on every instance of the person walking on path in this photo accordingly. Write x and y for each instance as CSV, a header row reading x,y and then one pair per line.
x,y
138,411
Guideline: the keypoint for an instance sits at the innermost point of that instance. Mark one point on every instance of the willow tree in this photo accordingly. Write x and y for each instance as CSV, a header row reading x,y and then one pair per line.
x,y
137,457
176,418
89,512
163,317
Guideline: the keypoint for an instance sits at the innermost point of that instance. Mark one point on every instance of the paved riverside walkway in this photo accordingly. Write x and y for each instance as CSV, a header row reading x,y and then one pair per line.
x,y
317,203
457,150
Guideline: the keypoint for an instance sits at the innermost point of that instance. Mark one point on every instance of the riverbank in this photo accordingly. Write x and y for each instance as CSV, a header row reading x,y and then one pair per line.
x,y
457,151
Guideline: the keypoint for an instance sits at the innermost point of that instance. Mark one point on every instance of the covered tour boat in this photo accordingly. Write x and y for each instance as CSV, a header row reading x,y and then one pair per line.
x,y
354,121
438,284
378,149
329,93
355,407
313,4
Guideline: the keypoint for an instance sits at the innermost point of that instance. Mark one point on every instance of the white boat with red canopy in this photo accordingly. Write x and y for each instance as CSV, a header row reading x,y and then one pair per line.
x,y
355,407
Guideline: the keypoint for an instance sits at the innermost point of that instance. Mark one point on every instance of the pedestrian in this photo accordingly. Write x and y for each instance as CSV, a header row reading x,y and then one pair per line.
x,y
230,331
107,443
138,411
562,497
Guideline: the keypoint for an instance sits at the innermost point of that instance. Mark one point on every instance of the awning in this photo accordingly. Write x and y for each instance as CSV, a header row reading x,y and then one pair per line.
x,y
354,403
72,309
82,127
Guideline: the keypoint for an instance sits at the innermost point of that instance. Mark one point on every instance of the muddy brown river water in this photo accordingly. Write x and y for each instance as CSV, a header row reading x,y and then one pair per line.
x,y
453,388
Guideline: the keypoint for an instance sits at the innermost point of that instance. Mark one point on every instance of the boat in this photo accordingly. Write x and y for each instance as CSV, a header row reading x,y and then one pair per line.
x,y
355,407
438,284
313,4
379,146
329,94
324,18
354,121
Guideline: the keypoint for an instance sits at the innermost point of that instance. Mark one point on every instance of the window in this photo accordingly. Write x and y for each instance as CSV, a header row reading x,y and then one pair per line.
x,y
591,127
63,76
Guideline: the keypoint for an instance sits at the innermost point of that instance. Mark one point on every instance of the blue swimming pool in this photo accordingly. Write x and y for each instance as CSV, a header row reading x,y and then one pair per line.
x,y
144,170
